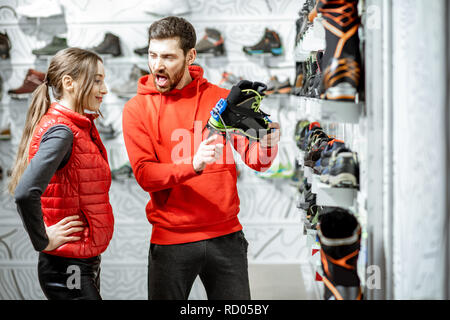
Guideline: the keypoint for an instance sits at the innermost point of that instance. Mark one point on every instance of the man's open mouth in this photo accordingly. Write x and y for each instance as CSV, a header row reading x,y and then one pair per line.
x,y
161,80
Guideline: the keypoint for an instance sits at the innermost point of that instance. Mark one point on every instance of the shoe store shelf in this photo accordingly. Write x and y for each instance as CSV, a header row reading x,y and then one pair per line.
x,y
326,110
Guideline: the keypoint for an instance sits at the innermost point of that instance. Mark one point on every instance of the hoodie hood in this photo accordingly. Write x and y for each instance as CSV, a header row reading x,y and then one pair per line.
x,y
146,86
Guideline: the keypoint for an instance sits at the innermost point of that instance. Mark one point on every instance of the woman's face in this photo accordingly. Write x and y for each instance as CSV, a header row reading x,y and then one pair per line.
x,y
98,89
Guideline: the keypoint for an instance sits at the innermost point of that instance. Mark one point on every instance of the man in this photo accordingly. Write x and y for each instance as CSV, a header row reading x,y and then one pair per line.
x,y
191,179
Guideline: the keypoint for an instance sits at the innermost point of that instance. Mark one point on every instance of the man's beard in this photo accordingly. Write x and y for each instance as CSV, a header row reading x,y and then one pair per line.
x,y
172,82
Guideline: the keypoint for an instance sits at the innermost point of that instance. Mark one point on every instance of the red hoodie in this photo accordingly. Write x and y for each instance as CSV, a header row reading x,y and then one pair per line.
x,y
162,132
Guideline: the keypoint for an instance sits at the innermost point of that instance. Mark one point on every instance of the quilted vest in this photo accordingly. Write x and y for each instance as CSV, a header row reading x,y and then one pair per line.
x,y
79,188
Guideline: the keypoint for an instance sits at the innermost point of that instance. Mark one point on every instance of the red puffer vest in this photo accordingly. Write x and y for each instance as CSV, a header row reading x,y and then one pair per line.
x,y
81,187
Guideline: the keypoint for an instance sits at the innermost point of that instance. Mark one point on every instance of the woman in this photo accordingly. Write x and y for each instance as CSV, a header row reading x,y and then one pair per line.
x,y
61,177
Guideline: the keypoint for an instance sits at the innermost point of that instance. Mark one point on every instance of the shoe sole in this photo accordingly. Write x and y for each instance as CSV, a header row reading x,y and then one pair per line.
x,y
232,130
20,96
343,180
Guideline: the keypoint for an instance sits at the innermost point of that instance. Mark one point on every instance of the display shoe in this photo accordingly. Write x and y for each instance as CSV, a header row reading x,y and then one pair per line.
x,y
52,48
299,77
123,173
109,46
5,45
276,87
1,88
141,51
325,156
344,169
300,131
269,43
106,131
339,237
212,42
32,80
342,59
240,112
168,8
304,140
317,147
129,88
228,80
5,133
40,9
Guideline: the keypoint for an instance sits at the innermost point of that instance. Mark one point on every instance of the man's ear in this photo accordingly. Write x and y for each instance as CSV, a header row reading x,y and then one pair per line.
x,y
191,55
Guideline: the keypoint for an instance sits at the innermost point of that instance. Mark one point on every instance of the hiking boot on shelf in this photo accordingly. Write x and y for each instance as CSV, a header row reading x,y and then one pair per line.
x,y
52,48
5,45
40,9
344,169
228,80
325,174
269,43
299,78
276,87
313,126
32,80
141,51
129,88
342,59
340,236
240,112
212,42
109,46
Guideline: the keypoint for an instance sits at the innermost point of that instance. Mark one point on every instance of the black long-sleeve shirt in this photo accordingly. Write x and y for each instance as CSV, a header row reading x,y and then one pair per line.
x,y
53,154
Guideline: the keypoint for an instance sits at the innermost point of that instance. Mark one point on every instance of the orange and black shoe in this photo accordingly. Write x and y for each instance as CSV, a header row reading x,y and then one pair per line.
x,y
269,43
340,236
342,58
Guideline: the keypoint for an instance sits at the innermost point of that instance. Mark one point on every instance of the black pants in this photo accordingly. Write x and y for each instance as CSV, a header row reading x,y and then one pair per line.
x,y
69,278
220,262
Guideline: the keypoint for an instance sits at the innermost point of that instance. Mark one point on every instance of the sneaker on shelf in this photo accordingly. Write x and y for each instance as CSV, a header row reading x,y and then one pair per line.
x,y
309,130
212,42
340,236
325,156
52,48
229,80
141,51
300,131
168,8
5,45
344,169
129,88
123,173
276,87
109,46
318,145
40,9
32,80
269,43
240,112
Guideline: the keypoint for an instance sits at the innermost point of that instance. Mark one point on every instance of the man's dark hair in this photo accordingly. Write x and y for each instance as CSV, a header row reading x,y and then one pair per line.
x,y
172,27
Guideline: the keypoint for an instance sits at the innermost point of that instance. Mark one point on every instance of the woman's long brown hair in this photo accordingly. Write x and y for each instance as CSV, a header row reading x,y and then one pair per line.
x,y
81,66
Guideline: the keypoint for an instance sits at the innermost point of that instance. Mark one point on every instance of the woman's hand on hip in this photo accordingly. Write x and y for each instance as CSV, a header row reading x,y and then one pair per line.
x,y
60,233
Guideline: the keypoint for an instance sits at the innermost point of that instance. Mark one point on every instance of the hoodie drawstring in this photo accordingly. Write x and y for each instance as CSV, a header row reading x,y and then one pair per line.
x,y
196,105
158,118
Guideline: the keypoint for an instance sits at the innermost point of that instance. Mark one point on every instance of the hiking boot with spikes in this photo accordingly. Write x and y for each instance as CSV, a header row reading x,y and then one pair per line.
x,y
269,43
342,59
340,236
240,113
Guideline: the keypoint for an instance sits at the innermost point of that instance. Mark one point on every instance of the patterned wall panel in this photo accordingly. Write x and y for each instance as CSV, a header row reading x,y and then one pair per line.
x,y
268,213
419,153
